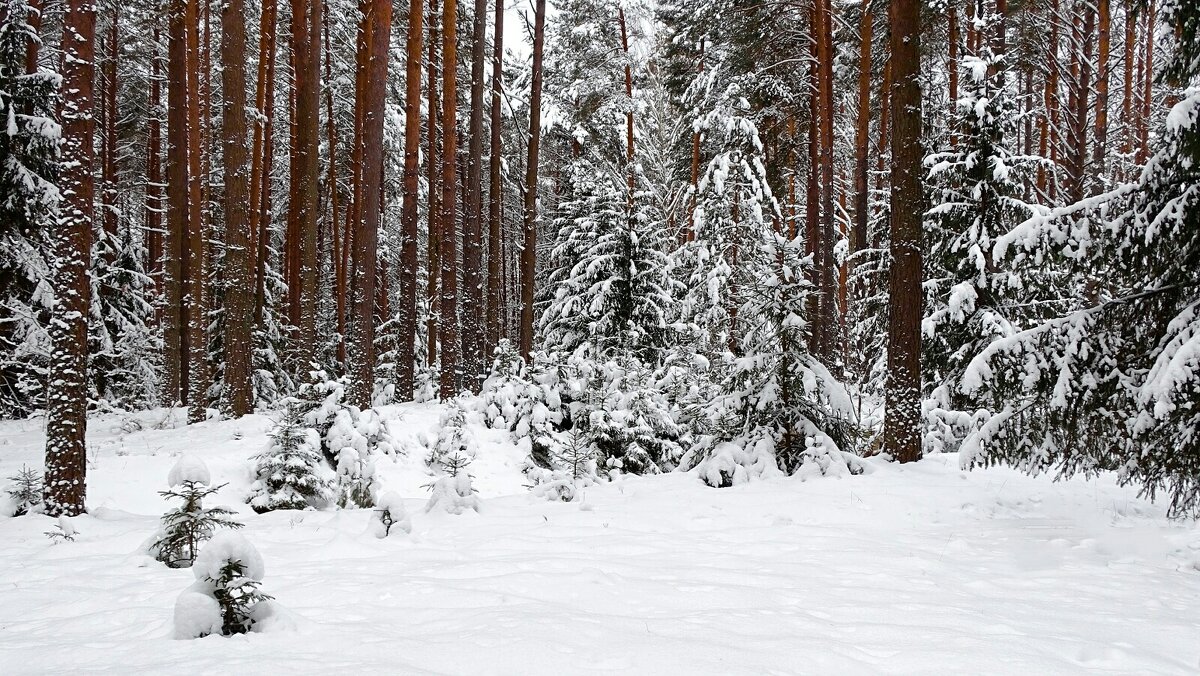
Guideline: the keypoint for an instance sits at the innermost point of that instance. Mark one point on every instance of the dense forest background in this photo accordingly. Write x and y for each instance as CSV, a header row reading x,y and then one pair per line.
x,y
740,237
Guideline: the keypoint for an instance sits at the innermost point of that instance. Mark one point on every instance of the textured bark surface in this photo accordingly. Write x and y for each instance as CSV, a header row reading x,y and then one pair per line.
x,y
473,311
65,487
433,268
306,174
239,294
174,315
405,379
448,335
529,244
376,23
196,286
495,309
902,418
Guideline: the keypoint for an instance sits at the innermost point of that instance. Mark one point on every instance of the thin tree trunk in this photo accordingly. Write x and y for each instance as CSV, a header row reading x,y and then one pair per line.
x,y
448,334
474,313
175,375
65,485
1147,86
376,26
902,418
529,246
108,164
154,184
260,179
951,66
827,321
196,245
405,379
862,133
338,242
239,257
435,191
629,148
1100,159
495,308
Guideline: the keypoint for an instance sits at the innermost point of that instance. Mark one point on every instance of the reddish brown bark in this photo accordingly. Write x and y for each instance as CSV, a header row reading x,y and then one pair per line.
x,y
175,376
260,156
435,190
65,484
474,313
529,246
495,306
304,208
154,185
902,418
405,378
196,246
1100,157
448,334
239,293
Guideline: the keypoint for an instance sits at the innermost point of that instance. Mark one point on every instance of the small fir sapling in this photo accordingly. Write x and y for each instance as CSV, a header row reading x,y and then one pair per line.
x,y
291,473
186,527
355,470
25,492
574,468
453,493
66,530
390,515
225,597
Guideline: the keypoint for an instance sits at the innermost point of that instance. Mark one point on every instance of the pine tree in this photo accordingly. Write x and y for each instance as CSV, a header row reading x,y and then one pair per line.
x,y
1108,383
970,300
29,172
190,525
25,493
291,473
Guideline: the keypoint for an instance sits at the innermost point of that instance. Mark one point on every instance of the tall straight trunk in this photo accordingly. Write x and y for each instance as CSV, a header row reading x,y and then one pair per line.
x,y
1077,154
1049,121
862,133
338,243
827,321
812,197
65,485
695,182
260,179
474,313
629,178
951,66
239,266
495,309
902,417
196,245
448,335
529,245
108,164
305,205
433,266
1100,158
1127,137
154,185
376,27
1147,86
405,379
33,50
175,375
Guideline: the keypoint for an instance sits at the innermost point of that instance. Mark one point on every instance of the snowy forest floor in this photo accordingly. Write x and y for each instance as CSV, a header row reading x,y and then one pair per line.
x,y
915,569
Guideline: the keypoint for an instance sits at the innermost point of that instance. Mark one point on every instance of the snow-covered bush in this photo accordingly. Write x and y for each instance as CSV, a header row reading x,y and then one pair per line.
x,y
24,493
389,514
574,468
355,469
454,446
226,594
64,530
186,527
291,473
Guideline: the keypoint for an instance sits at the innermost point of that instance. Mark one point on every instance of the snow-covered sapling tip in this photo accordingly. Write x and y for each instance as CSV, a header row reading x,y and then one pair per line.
x,y
66,530
186,527
228,573
453,493
389,514
25,492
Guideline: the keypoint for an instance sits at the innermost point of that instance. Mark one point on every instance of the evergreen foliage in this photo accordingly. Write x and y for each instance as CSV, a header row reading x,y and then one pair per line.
x,y
291,473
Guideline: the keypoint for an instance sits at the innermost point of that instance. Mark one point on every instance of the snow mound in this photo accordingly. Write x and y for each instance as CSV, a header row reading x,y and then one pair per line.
x,y
189,468
228,546
453,495
197,614
390,516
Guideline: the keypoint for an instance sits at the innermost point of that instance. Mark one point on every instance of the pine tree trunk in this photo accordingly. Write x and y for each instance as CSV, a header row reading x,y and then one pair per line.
x,y
196,245
376,27
628,106
951,67
433,266
406,349
260,160
902,418
65,487
495,280
108,164
1080,98
1100,158
529,245
239,295
338,242
154,185
1143,153
175,375
474,312
1127,99
862,133
305,207
827,321
448,335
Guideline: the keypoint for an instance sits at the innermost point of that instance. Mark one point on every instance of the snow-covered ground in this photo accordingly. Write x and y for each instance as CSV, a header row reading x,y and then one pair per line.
x,y
917,569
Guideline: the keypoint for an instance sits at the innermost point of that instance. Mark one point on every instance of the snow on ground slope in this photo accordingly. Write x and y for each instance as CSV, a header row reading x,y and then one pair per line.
x,y
918,569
